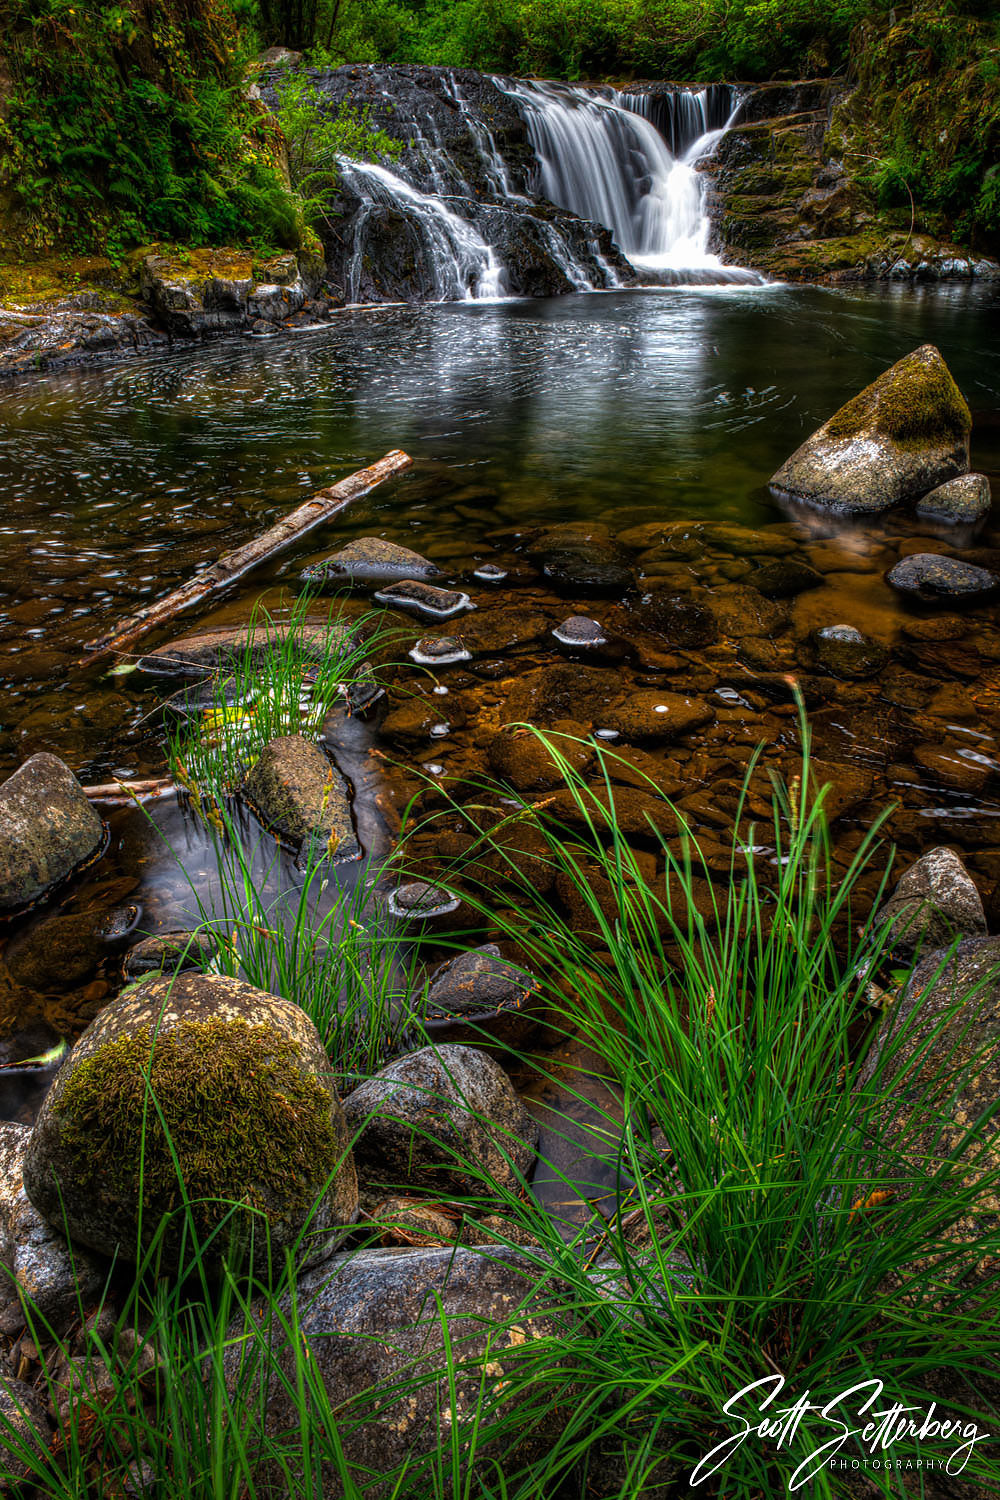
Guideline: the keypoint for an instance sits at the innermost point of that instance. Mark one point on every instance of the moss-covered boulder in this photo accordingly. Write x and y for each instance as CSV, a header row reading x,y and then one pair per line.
x,y
47,828
901,436
229,1080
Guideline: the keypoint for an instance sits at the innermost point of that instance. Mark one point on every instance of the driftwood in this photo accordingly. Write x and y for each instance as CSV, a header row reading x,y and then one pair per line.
x,y
323,505
128,791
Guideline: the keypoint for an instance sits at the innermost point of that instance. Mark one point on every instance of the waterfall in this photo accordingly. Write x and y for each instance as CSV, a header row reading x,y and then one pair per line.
x,y
601,155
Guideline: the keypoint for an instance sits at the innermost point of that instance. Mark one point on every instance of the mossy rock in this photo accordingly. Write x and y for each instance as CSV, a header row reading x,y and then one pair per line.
x,y
898,438
243,1102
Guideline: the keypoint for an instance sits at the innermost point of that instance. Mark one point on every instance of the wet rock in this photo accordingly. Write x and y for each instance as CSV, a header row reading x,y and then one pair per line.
x,y
580,633
898,438
477,982
741,611
444,1118
961,501
421,719
845,652
846,785
47,829
563,691
490,573
369,560
170,953
498,630
425,600
298,793
439,651
36,1261
25,1422
653,715
59,952
683,622
630,810
523,760
935,902
227,647
581,560
785,579
377,1319
947,767
930,578
419,901
242,1086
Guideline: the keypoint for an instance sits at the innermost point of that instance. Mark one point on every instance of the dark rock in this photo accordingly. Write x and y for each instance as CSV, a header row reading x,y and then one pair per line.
x,y
742,611
581,560
648,714
297,792
420,901
25,1423
845,652
491,632
846,785
683,622
424,599
47,829
36,1263
58,953
241,1080
375,1322
226,647
524,760
369,560
580,633
476,982
782,580
444,1118
933,903
961,501
930,578
900,437
439,651
170,953
421,719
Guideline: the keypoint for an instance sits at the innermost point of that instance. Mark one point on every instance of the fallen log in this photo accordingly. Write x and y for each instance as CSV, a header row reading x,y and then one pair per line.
x,y
127,791
323,505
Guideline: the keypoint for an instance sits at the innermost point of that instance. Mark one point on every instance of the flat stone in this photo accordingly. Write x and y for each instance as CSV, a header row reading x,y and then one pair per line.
x,y
649,714
491,632
960,502
47,829
901,436
420,901
581,560
227,647
369,560
170,952
424,599
421,1119
785,579
439,651
298,793
935,902
930,578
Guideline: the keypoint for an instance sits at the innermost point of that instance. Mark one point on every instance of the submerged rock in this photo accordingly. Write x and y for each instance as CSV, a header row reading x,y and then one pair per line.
x,y
926,576
784,579
898,438
298,793
47,829
524,760
444,1118
935,902
581,560
241,1082
845,652
366,560
648,714
960,502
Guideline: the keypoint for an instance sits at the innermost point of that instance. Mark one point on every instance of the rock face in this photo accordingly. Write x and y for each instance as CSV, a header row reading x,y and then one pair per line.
x,y
374,1323
901,436
959,502
240,1080
931,579
298,793
933,903
47,828
36,1262
427,1114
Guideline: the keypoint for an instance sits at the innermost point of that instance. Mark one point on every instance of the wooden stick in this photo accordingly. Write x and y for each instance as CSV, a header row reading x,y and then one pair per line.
x,y
323,505
111,791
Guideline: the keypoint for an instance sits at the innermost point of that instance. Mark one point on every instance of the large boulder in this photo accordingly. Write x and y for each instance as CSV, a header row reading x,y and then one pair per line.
x,y
376,1324
242,1097
901,436
446,1118
38,1268
298,793
47,828
933,903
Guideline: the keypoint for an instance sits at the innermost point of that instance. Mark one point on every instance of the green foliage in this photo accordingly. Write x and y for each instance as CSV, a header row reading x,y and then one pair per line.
x,y
316,138
127,123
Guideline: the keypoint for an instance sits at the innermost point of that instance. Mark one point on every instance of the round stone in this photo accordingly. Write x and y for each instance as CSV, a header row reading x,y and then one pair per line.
x,y
439,651
959,502
929,577
490,573
580,632
419,901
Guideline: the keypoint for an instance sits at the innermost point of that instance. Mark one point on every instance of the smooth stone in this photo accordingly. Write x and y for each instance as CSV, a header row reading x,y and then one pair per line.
x,y
930,578
424,599
445,1118
523,760
369,560
845,652
934,902
420,901
47,829
439,651
490,573
898,438
225,1061
581,560
227,647
36,1262
785,579
477,982
683,622
960,502
170,952
298,793
648,714
580,633
491,632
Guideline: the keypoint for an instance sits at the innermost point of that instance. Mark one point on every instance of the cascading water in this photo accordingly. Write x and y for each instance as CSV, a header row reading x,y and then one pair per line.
x,y
601,156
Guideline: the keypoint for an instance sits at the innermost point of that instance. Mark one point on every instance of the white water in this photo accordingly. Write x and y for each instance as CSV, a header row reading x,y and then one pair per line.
x,y
601,157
